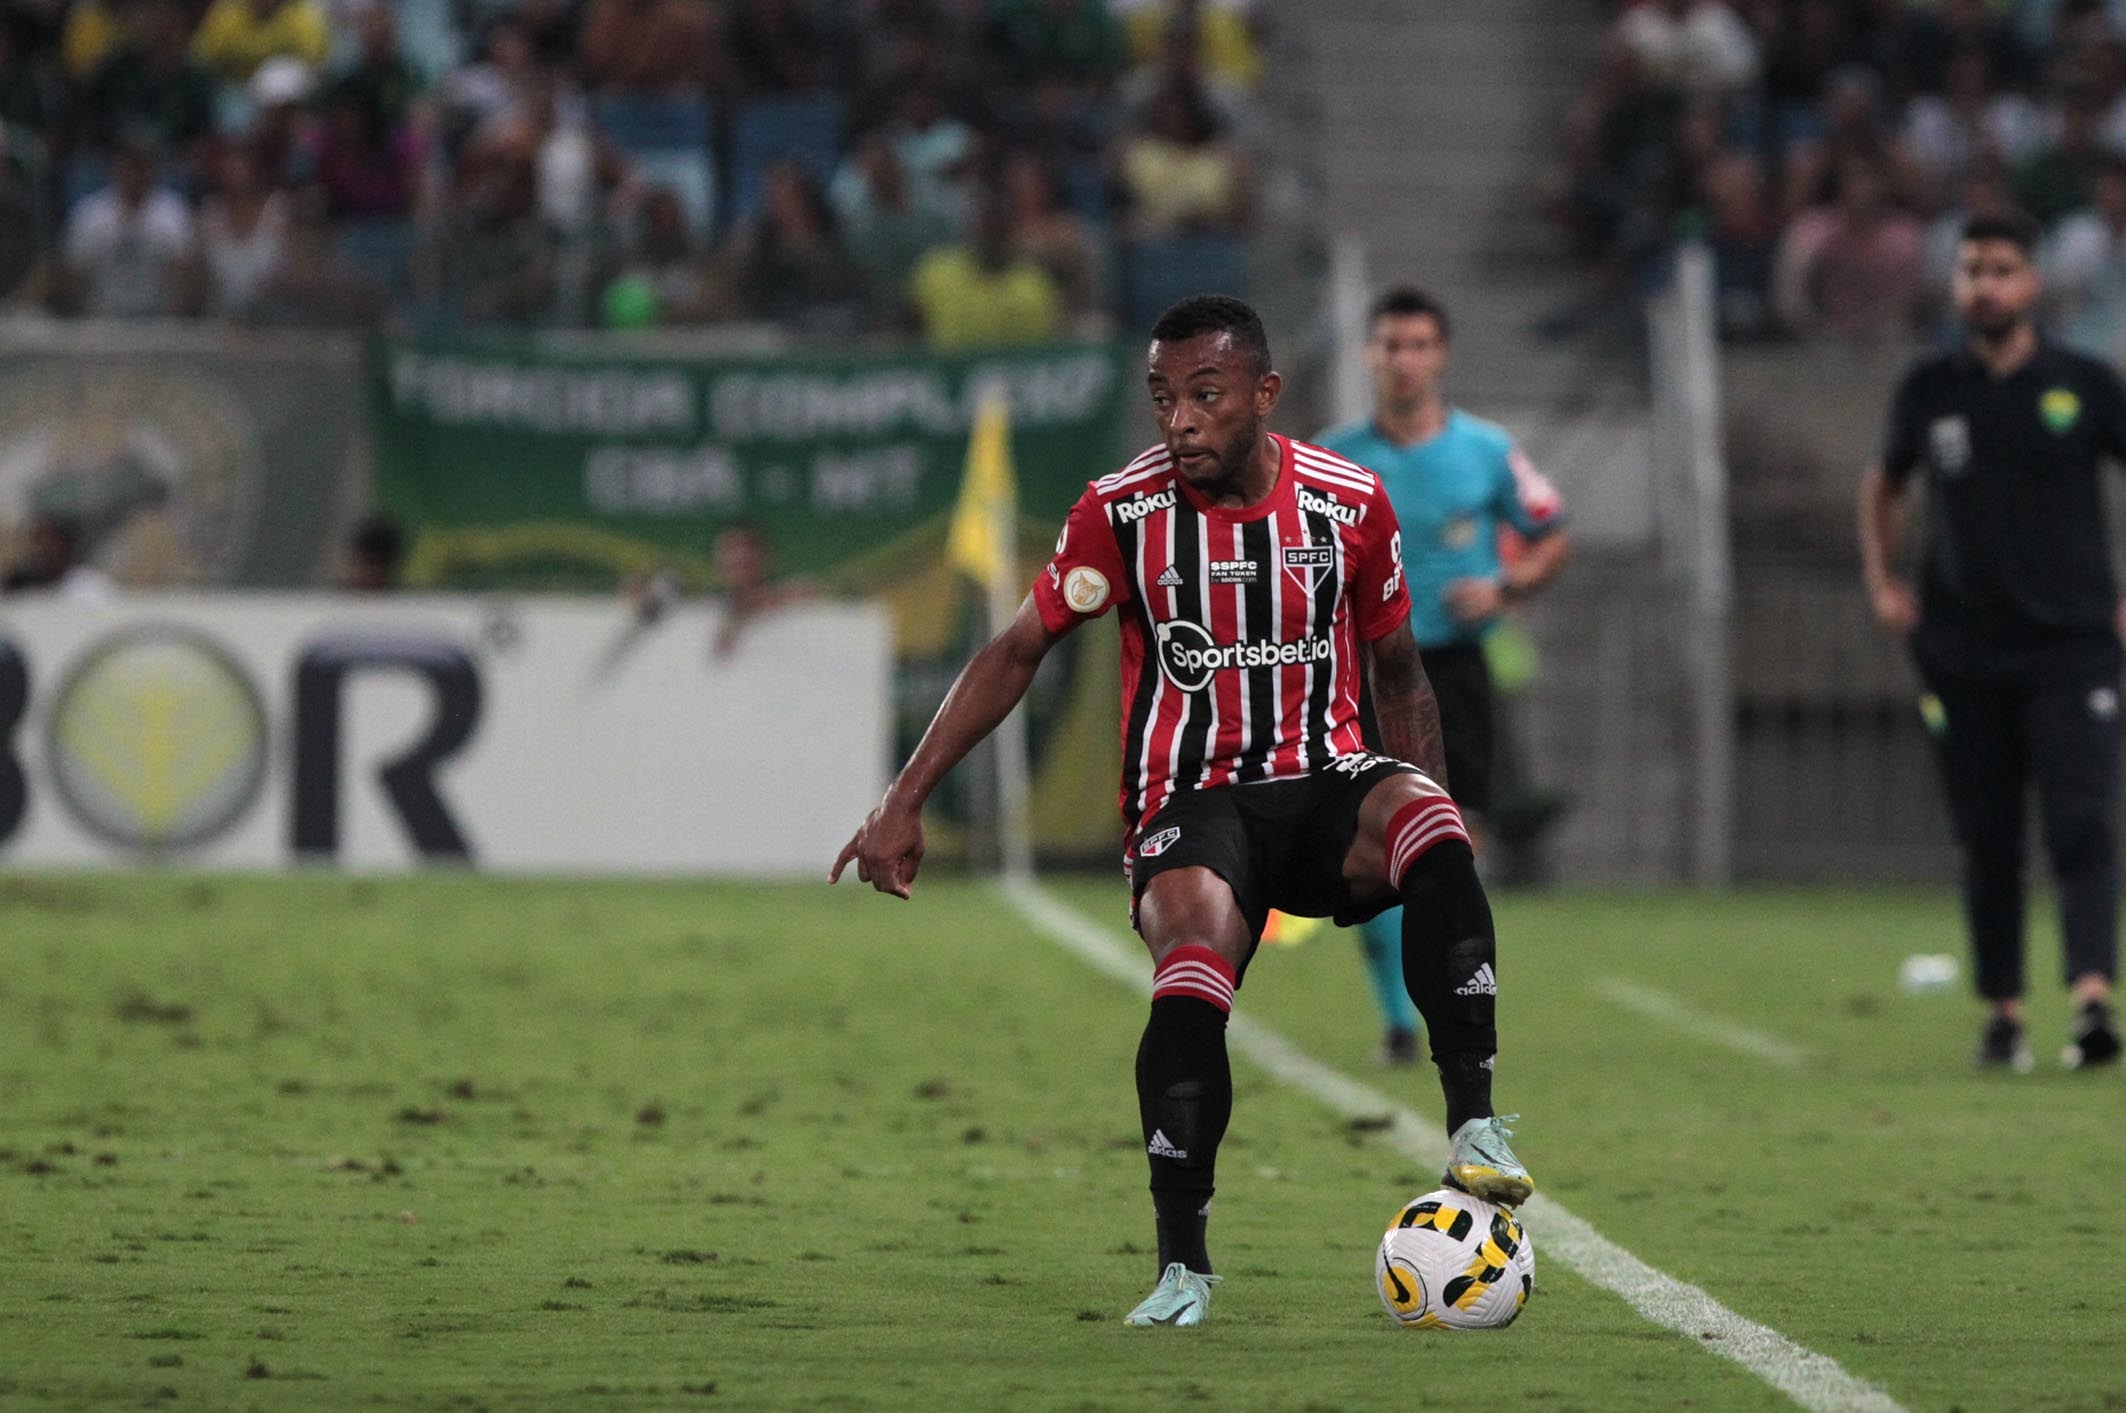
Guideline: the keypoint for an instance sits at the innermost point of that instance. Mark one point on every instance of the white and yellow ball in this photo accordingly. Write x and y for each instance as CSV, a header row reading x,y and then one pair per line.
x,y
1452,1261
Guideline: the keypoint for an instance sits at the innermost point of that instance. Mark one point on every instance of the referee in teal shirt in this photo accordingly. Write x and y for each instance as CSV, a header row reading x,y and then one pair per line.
x,y
1454,480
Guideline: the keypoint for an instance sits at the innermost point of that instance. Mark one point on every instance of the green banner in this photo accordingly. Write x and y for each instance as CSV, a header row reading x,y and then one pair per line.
x,y
524,465
569,467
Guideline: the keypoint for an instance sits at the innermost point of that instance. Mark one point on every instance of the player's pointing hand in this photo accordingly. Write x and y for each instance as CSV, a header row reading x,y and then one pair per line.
x,y
887,850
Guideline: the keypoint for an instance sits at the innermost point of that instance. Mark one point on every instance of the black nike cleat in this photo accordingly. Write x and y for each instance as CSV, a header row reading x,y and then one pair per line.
x,y
2096,1038
2001,1047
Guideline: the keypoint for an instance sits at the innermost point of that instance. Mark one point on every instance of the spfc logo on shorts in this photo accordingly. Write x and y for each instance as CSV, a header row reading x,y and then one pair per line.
x,y
1949,438
1307,563
1152,846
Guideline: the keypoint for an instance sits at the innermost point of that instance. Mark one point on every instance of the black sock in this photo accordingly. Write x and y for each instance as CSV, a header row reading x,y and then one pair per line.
x,y
1185,1098
1450,965
1183,1220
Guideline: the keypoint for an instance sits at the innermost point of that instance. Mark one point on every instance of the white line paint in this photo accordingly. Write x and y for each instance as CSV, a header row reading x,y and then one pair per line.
x,y
1815,1381
1656,1004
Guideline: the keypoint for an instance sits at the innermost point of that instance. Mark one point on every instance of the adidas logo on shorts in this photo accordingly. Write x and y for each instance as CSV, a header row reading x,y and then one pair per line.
x,y
1484,983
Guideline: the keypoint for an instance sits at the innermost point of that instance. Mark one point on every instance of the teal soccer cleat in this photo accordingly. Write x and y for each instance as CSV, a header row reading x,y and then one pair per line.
x,y
1480,1163
1182,1297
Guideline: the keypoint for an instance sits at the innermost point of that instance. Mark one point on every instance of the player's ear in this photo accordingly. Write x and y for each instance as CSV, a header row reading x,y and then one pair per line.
x,y
1266,392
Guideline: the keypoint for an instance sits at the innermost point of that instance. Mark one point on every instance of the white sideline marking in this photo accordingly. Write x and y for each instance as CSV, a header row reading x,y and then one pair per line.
x,y
1815,1381
1656,1004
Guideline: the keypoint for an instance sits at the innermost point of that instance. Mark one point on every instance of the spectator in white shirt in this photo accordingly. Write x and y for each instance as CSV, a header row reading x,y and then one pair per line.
x,y
1700,46
2085,266
1945,135
129,247
241,230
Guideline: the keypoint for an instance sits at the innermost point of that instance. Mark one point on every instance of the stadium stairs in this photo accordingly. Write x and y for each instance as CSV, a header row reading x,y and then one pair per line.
x,y
1432,123
1427,127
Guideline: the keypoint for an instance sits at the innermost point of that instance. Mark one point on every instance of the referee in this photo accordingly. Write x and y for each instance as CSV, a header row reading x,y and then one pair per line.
x,y
1456,481
2016,622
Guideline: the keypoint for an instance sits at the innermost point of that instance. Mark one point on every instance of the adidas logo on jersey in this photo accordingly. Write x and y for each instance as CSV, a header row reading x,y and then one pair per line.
x,y
1484,983
1171,579
1160,1148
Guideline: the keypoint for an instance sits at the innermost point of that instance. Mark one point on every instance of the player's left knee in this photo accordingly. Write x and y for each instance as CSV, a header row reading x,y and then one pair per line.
x,y
1426,837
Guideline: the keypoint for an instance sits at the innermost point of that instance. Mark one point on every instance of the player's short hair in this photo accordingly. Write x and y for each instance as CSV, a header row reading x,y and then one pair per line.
x,y
2017,227
1202,314
1409,302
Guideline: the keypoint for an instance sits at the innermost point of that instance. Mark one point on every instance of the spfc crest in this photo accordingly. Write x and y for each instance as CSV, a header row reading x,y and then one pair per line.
x,y
1307,563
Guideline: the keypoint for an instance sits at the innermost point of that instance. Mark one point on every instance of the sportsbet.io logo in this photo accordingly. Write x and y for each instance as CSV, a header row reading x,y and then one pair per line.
x,y
1189,657
158,740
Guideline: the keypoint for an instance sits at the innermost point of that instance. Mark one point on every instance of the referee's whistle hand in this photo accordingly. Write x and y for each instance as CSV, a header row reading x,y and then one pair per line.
x,y
1896,606
1474,600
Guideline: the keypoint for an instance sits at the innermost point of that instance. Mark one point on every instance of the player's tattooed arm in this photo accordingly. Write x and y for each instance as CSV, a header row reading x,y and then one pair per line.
x,y
1402,699
888,848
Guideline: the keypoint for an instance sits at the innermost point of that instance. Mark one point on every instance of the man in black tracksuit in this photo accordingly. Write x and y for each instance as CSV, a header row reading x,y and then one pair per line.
x,y
2016,623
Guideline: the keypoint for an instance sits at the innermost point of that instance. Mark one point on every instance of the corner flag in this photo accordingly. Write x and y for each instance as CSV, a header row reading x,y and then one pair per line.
x,y
985,522
985,530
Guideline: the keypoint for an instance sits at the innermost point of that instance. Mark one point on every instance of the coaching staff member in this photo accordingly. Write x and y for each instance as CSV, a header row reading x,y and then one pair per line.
x,y
2016,622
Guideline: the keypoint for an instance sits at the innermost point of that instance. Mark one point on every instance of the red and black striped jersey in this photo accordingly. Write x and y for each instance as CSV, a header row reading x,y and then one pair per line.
x,y
1241,629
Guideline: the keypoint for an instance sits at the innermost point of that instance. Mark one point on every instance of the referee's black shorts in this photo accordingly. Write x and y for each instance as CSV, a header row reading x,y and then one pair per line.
x,y
1461,683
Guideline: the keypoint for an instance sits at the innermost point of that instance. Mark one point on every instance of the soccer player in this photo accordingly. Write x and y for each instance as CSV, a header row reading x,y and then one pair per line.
x,y
1454,481
1257,577
2015,625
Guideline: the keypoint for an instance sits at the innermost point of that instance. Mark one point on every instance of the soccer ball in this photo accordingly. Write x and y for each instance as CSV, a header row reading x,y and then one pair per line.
x,y
1454,1261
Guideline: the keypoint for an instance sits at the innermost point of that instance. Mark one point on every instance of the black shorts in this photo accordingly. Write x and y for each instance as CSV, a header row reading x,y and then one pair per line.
x,y
1461,683
1277,843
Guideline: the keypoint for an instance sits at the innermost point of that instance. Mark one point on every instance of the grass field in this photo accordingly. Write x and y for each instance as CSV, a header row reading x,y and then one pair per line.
x,y
453,1143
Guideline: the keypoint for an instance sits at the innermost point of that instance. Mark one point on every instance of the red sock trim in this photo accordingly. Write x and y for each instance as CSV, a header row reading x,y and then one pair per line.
x,y
1418,827
1198,972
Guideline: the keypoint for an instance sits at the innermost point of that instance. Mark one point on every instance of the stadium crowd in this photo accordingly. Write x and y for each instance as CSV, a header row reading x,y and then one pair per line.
x,y
1827,151
973,171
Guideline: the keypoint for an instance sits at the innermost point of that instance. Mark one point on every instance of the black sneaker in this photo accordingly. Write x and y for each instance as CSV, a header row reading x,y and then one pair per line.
x,y
1399,1047
2096,1038
2001,1047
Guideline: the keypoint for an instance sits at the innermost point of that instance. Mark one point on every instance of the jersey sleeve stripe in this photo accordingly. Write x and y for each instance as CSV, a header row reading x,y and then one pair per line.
x,y
1329,463
1363,483
1152,460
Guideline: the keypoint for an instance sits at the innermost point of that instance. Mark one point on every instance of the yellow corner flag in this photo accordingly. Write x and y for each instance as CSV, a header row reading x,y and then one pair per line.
x,y
985,522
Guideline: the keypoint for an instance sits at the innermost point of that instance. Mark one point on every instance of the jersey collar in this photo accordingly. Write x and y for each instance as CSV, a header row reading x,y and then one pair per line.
x,y
1446,425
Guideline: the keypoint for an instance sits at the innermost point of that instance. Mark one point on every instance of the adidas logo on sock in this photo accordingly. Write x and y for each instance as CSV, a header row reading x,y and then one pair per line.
x,y
1160,1148
1484,983
1171,579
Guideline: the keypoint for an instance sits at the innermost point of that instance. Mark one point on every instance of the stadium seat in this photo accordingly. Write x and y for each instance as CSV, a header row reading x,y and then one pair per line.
x,y
383,246
645,123
804,126
1155,273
